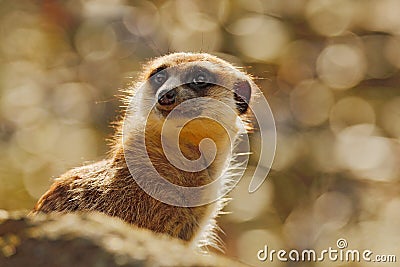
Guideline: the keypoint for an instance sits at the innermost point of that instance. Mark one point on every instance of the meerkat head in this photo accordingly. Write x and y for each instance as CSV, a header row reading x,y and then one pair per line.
x,y
199,78
181,76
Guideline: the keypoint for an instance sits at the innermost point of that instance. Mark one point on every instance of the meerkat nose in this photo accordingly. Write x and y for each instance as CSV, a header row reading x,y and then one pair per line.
x,y
168,98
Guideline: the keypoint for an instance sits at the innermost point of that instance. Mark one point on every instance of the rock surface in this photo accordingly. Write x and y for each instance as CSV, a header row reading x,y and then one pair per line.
x,y
90,240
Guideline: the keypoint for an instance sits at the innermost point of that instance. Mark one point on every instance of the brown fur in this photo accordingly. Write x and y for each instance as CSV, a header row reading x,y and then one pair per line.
x,y
108,186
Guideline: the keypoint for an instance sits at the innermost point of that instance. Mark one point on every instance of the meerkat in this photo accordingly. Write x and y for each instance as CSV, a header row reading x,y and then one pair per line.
x,y
110,187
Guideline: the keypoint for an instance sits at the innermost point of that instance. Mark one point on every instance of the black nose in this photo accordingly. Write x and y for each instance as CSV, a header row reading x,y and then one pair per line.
x,y
167,98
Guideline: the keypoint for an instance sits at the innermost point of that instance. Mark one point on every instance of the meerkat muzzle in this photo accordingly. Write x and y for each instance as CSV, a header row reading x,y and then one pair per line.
x,y
167,97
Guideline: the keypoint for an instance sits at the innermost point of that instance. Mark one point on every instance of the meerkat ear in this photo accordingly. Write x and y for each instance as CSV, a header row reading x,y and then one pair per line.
x,y
242,95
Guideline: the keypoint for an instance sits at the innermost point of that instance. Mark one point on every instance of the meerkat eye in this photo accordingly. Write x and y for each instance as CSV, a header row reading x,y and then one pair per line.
x,y
199,81
160,77
200,78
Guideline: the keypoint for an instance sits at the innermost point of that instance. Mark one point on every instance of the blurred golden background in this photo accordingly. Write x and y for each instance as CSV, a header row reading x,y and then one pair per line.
x,y
329,69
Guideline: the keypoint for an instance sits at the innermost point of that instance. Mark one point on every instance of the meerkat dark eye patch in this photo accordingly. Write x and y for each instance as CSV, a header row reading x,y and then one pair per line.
x,y
242,95
199,78
158,76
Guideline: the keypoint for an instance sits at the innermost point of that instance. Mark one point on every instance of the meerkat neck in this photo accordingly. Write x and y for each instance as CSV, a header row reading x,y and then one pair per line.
x,y
190,138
